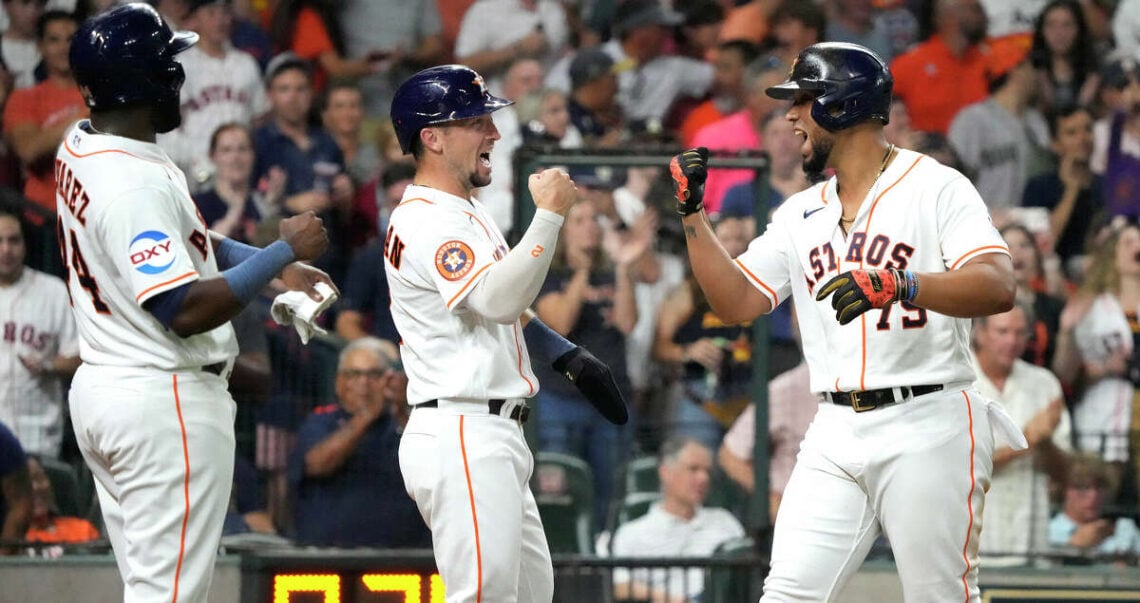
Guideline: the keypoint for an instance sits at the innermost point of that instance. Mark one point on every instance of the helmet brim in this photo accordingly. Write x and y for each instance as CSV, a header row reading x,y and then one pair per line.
x,y
182,40
788,90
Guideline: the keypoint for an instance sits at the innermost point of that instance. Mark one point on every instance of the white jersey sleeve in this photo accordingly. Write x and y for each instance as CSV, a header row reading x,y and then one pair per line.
x,y
965,229
768,257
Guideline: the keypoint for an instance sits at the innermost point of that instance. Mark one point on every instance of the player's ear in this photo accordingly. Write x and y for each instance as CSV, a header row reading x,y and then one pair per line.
x,y
432,139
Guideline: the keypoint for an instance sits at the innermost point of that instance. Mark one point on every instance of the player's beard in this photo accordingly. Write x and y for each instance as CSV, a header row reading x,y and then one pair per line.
x,y
816,161
166,115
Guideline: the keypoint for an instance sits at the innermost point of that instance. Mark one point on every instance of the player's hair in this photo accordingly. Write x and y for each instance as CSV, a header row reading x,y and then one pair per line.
x,y
673,445
383,350
53,15
232,125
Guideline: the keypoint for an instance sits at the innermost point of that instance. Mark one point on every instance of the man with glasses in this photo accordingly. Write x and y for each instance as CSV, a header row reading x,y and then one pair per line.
x,y
345,472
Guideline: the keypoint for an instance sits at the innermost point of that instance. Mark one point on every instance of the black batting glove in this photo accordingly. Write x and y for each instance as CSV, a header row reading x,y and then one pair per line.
x,y
593,378
690,169
858,291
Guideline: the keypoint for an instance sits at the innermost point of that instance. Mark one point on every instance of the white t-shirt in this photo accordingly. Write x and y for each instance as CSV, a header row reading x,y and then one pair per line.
x,y
131,232
919,215
1016,516
1102,417
495,24
662,534
436,249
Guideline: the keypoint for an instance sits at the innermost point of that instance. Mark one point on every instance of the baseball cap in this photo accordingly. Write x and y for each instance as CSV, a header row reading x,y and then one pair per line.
x,y
589,65
1006,53
632,14
283,61
602,177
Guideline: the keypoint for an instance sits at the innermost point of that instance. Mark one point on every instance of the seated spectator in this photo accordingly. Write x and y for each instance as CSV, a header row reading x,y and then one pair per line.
x,y
791,408
1116,146
1072,192
15,490
343,118
18,50
677,526
698,35
1001,140
345,471
1017,504
1032,289
1065,58
375,201
728,93
545,120
46,524
37,116
785,171
310,29
1083,522
232,207
494,33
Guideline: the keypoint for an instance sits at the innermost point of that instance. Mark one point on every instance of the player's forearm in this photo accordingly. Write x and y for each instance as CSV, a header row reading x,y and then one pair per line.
x,y
737,469
508,287
982,287
209,304
725,287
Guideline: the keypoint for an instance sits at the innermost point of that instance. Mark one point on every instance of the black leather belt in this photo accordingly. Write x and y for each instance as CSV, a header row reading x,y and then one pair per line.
x,y
215,369
520,413
874,398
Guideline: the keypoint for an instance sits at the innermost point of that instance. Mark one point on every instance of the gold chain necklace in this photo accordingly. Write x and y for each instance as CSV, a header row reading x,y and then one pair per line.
x,y
882,168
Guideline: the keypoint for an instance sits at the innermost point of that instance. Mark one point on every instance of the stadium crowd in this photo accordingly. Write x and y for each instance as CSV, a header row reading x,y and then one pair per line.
x,y
285,110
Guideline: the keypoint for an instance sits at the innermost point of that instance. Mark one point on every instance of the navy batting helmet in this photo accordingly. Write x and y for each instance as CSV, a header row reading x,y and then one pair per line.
x,y
850,84
126,57
437,95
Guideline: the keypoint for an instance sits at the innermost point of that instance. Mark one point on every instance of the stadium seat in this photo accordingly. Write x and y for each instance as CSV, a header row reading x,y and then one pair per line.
x,y
641,475
730,584
65,485
635,505
564,491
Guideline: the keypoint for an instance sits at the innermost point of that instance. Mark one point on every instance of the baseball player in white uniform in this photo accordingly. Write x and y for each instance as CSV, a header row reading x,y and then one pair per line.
x,y
223,85
38,345
884,262
458,293
152,415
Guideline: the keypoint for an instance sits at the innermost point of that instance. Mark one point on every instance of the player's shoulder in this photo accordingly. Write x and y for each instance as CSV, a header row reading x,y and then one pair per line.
x,y
803,203
925,171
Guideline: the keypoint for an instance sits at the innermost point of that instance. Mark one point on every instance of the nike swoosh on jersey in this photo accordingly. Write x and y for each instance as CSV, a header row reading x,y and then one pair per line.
x,y
809,212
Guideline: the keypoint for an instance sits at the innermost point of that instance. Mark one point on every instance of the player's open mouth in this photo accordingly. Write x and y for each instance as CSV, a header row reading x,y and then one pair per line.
x,y
485,159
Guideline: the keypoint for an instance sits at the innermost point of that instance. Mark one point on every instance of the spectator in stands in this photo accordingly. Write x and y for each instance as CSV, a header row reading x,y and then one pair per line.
x,y
795,26
741,130
345,472
314,164
854,21
698,34
46,525
496,32
593,105
1096,349
791,408
1083,522
1032,276
1002,140
1064,56
728,92
248,35
649,81
714,358
223,85
785,174
406,33
374,203
676,526
311,30
1017,504
15,490
545,120
40,347
588,298
1116,146
945,73
900,23
523,76
343,118
232,207
37,116
18,46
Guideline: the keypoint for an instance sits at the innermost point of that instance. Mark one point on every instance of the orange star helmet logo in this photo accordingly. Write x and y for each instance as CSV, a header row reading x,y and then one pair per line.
x,y
478,81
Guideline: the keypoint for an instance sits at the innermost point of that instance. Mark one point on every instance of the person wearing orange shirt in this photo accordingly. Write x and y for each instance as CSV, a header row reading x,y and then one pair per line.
x,y
946,72
728,92
36,118
309,28
47,525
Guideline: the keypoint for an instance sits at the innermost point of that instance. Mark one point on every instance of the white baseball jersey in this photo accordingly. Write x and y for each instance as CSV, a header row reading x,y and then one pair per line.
x,y
1102,417
919,215
129,231
36,323
216,92
436,248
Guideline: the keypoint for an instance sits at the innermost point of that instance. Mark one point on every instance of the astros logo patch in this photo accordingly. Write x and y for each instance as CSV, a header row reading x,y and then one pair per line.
x,y
150,252
454,260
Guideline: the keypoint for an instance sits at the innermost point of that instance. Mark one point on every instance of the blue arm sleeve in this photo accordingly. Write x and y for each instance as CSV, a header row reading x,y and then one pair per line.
x,y
230,253
545,343
165,305
248,277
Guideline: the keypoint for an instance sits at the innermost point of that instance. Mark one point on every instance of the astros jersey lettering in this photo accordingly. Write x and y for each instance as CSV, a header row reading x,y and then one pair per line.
x,y
124,242
921,216
430,274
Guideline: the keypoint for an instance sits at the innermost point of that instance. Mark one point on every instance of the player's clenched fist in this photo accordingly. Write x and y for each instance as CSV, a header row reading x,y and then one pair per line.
x,y
305,234
857,291
690,169
553,190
